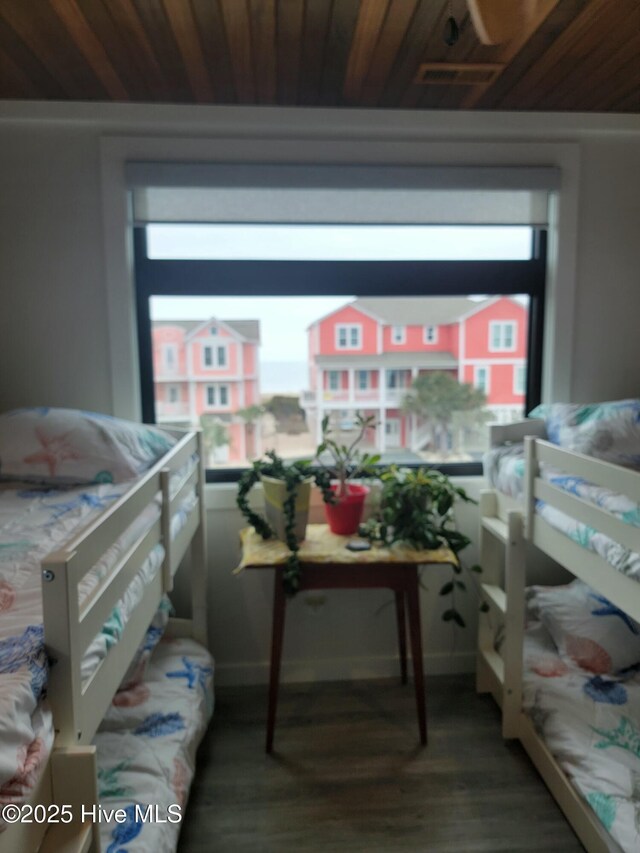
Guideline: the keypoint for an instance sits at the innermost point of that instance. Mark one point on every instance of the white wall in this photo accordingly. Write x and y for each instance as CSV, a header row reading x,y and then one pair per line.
x,y
66,308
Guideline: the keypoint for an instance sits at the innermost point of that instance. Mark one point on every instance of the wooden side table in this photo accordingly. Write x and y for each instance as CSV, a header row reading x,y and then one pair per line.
x,y
326,564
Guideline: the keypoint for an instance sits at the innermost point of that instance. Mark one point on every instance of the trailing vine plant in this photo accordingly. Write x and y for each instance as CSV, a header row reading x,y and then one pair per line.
x,y
416,508
292,475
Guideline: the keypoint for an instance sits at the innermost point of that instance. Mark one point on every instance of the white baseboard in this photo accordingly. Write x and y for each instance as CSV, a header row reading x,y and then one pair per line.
x,y
343,669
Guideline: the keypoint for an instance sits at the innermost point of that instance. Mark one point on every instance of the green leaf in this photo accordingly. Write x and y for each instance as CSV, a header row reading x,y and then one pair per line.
x,y
476,568
447,588
457,618
448,615
460,585
484,607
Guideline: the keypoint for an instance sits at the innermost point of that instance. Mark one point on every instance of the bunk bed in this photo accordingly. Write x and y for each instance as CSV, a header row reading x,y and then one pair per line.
x,y
105,696
570,695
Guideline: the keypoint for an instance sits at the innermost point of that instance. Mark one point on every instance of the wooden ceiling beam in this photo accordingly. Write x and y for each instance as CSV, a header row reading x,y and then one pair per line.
x,y
90,47
14,83
185,31
543,73
393,32
263,39
128,20
237,24
371,17
289,29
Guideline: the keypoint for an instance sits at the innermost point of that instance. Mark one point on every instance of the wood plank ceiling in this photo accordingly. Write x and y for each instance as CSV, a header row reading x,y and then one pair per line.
x,y
571,55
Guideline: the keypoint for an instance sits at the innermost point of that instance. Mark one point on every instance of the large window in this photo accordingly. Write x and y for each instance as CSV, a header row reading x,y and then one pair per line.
x,y
300,340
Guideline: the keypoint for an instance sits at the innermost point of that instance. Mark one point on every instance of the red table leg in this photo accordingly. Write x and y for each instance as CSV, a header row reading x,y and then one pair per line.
x,y
402,634
277,634
415,634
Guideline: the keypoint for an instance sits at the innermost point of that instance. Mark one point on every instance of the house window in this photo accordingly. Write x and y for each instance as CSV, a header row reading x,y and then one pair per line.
x,y
519,379
173,394
217,396
362,380
214,356
169,356
213,330
349,336
392,378
398,335
502,336
431,334
481,377
334,380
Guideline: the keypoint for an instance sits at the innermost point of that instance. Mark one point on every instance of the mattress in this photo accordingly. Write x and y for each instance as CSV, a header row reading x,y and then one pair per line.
x,y
147,746
33,523
504,469
591,724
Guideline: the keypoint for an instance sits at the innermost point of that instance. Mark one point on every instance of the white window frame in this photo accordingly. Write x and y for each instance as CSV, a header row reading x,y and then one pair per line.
x,y
520,389
348,328
476,371
215,361
330,375
173,349
430,334
401,332
215,389
367,374
501,325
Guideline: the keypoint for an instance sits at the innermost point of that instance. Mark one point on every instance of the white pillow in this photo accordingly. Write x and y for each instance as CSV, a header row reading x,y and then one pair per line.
x,y
586,627
66,446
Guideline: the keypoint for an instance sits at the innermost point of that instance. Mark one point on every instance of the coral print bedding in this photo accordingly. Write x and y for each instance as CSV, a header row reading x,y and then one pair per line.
x,y
590,720
32,524
61,446
147,747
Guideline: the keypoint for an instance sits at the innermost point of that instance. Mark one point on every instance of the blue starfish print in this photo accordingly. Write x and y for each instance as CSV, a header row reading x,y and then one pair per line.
x,y
92,501
609,609
125,832
193,672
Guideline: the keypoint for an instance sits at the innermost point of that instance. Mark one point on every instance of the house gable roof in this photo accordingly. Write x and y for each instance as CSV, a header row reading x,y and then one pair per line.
x,y
416,311
247,330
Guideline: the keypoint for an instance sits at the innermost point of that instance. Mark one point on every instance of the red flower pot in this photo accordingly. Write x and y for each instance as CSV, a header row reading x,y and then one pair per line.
x,y
345,516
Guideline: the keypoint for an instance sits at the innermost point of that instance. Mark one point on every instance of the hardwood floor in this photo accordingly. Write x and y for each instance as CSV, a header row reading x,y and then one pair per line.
x,y
347,773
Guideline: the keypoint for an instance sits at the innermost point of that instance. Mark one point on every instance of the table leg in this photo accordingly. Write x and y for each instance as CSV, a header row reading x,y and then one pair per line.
x,y
277,633
413,606
402,634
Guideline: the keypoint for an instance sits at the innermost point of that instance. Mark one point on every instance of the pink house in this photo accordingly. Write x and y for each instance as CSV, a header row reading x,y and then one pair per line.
x,y
365,355
209,368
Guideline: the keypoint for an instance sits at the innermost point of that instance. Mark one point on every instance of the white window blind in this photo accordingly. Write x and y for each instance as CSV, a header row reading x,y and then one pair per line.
x,y
470,195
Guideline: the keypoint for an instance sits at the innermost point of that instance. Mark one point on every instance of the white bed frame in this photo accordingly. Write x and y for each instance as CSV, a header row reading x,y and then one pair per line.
x,y
505,526
70,777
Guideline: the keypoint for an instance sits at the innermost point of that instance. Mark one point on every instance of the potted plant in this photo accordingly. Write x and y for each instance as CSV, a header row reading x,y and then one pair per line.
x,y
416,508
338,465
287,491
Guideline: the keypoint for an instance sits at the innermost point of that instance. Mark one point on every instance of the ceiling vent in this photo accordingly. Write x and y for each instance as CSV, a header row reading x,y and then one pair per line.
x,y
457,73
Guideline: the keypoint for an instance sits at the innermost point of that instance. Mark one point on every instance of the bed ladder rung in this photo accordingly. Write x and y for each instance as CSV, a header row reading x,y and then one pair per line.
x,y
495,596
497,527
495,664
